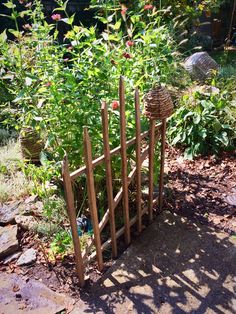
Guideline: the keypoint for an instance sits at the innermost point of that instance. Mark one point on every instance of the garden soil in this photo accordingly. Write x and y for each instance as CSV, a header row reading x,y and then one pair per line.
x,y
184,262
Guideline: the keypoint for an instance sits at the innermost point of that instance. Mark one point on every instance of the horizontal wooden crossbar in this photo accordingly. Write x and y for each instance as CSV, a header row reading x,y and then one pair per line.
x,y
75,174
87,259
117,199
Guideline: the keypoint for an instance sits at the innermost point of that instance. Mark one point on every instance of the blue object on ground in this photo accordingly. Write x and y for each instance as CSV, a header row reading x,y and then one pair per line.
x,y
84,225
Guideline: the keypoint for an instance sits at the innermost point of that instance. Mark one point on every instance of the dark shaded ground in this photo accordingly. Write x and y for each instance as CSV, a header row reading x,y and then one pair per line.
x,y
175,266
199,189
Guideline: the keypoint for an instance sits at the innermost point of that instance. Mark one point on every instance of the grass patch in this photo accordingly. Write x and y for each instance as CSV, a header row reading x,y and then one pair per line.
x,y
13,183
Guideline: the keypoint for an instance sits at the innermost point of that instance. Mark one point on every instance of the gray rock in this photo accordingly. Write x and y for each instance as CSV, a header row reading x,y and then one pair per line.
x,y
11,258
231,199
26,222
8,240
35,297
27,208
8,213
31,199
28,257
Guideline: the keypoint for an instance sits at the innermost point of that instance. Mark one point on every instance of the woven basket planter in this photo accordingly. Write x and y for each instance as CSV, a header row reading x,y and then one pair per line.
x,y
158,103
31,145
200,66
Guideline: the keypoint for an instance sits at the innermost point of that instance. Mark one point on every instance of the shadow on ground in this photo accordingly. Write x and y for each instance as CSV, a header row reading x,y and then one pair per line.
x,y
174,266
200,189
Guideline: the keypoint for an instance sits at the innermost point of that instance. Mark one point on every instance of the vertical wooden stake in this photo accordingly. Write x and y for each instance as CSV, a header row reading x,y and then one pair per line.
x,y
151,166
124,175
161,177
72,217
109,178
92,197
138,161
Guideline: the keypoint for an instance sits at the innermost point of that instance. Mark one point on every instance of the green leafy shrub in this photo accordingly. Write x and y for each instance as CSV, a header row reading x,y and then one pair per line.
x,y
205,122
57,88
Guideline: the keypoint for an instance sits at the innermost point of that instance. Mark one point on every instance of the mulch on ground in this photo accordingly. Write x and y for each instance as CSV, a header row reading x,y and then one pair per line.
x,y
195,189
200,189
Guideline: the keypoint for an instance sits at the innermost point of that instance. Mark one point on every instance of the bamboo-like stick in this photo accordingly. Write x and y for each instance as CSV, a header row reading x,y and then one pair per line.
x,y
115,151
138,161
118,196
151,166
117,199
92,197
110,198
119,233
72,217
124,176
161,177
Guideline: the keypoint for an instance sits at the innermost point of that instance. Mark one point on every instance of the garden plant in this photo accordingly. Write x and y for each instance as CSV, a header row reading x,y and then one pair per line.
x,y
54,82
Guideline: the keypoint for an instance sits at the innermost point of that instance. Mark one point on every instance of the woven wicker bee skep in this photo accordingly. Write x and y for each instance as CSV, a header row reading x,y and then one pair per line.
x,y
158,103
200,66
31,144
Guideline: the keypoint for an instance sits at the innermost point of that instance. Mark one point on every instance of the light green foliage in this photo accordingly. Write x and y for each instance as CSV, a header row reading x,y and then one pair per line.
x,y
62,242
13,183
42,177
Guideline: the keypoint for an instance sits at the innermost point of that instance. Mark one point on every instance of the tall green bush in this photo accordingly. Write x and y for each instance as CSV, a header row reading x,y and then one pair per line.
x,y
57,87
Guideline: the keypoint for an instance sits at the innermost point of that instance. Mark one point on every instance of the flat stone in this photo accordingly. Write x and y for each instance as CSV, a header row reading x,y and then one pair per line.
x,y
231,199
26,222
35,297
8,240
8,213
31,199
28,257
28,207
11,258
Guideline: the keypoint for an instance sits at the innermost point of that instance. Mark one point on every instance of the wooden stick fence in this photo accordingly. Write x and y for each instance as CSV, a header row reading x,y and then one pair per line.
x,y
82,258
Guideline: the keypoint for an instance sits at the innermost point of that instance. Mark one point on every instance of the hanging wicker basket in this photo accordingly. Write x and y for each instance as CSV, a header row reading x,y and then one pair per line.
x,y
31,145
158,103
200,66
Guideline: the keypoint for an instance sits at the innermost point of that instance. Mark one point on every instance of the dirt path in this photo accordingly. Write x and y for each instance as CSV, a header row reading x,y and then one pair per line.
x,y
175,266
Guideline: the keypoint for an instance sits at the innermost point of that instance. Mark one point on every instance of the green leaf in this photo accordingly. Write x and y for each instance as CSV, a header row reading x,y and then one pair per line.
x,y
114,38
188,153
9,5
189,114
203,133
71,19
223,138
216,126
3,36
176,139
103,19
116,26
43,158
196,118
23,13
15,32
38,118
105,36
28,81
